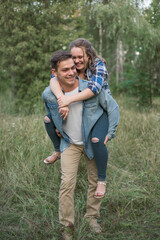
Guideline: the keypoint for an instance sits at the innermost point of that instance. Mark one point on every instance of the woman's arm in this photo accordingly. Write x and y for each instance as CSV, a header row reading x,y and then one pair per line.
x,y
55,87
66,100
111,107
94,86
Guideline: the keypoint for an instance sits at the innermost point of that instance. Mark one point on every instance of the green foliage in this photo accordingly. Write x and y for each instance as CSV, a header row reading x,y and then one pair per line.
x,y
152,14
121,20
32,99
32,30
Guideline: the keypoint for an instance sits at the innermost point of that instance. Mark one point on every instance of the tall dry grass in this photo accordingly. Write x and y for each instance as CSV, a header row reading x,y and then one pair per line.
x,y
29,188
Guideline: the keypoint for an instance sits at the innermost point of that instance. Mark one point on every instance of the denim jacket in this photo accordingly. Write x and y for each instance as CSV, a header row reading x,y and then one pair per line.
x,y
93,109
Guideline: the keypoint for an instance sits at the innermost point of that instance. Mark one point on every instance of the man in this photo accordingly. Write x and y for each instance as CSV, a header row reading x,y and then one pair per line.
x,y
75,141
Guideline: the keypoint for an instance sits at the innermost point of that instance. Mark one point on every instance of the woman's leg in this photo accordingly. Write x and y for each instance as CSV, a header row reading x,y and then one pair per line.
x,y
51,130
99,133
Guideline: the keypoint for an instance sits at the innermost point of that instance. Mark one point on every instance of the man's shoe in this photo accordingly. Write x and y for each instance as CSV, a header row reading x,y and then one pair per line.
x,y
67,233
94,226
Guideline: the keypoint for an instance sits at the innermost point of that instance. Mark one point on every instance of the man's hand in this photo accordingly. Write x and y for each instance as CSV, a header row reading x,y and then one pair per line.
x,y
64,112
64,101
58,133
106,140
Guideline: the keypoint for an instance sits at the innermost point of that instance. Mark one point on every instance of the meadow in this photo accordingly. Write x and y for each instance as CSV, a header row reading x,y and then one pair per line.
x,y
29,188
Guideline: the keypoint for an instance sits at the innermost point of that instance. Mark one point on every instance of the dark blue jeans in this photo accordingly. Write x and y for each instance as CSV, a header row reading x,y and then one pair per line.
x,y
99,131
51,130
100,151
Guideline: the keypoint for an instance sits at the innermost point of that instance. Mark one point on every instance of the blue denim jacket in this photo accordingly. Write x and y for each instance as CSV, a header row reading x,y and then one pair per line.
x,y
93,109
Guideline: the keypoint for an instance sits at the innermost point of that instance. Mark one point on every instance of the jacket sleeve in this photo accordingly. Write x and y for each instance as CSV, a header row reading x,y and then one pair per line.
x,y
111,107
48,97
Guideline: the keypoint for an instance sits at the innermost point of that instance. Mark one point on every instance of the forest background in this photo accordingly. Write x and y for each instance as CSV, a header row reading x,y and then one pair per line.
x,y
127,35
124,33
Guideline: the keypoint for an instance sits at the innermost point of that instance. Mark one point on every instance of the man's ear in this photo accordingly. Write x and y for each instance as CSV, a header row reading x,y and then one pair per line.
x,y
54,72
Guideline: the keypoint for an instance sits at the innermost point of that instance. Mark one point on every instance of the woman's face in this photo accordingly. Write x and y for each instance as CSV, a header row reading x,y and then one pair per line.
x,y
80,58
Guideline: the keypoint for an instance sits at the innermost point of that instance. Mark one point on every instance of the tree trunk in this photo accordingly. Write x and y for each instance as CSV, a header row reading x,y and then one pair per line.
x,y
119,62
13,85
150,84
47,2
100,39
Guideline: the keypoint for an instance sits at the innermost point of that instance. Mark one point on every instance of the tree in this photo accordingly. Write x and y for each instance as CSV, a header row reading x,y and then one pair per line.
x,y
126,36
129,43
31,32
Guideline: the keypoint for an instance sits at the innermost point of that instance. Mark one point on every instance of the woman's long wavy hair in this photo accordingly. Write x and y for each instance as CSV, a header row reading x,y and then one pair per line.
x,y
90,51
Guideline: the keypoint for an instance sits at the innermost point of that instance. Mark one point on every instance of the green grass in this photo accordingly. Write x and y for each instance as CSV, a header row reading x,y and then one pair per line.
x,y
29,188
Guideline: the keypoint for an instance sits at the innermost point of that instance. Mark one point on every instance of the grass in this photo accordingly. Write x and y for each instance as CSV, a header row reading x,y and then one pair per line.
x,y
29,188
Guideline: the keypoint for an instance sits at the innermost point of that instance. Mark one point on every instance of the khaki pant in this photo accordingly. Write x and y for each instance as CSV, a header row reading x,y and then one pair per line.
x,y
70,159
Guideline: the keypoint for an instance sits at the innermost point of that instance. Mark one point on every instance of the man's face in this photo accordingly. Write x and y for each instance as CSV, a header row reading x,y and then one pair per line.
x,y
80,58
66,73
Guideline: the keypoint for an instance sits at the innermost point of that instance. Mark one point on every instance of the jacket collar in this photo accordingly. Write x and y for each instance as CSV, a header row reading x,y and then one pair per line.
x,y
82,84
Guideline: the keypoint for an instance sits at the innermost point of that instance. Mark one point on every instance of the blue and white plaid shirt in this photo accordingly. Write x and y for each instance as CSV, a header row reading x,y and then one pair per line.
x,y
98,80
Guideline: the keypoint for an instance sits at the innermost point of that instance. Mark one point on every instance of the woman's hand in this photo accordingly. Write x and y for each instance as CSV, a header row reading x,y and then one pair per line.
x,y
58,133
64,101
106,140
64,112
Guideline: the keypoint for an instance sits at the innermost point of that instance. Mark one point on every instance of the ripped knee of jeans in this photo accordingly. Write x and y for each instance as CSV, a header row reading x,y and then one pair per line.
x,y
47,119
95,140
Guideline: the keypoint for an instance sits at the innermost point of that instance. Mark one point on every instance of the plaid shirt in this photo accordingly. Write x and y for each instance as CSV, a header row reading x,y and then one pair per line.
x,y
98,80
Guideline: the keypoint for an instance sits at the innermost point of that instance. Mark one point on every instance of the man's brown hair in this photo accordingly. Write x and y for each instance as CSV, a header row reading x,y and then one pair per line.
x,y
58,57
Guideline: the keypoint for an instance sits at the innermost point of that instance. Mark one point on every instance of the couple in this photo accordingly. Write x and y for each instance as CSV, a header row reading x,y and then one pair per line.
x,y
98,115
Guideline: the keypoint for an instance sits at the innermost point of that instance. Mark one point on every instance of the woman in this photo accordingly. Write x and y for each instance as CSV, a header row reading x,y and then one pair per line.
x,y
93,68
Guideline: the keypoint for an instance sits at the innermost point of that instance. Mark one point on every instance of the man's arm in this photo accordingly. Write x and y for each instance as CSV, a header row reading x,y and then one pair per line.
x,y
111,107
48,96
